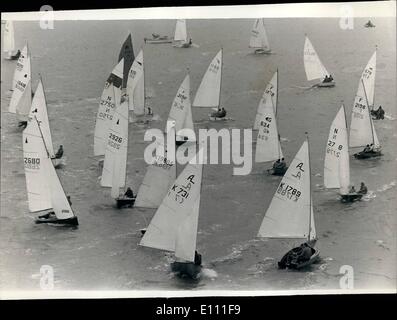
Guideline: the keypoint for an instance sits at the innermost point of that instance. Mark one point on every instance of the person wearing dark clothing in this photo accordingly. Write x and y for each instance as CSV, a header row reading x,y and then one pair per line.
x,y
276,164
380,113
59,153
129,193
363,188
367,148
197,258
352,190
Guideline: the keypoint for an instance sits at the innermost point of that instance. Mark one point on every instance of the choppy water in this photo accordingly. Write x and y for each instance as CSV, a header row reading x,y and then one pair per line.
x,y
75,59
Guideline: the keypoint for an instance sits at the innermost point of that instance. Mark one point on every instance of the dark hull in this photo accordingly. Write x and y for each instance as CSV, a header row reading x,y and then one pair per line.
x,y
186,269
299,265
125,202
158,41
326,84
367,155
262,51
277,172
51,218
348,198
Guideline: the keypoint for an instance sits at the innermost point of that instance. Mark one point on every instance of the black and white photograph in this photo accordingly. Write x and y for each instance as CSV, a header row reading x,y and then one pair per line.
x,y
182,151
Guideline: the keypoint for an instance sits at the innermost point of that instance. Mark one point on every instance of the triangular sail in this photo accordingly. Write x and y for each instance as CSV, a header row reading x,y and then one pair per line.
x,y
208,93
180,30
126,53
258,35
166,225
21,98
110,95
158,179
313,65
136,86
8,37
368,77
269,98
313,233
36,174
116,149
289,214
336,151
39,110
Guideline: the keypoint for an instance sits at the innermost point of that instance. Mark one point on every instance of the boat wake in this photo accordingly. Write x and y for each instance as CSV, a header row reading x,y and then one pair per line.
x,y
209,273
236,253
386,187
369,196
389,117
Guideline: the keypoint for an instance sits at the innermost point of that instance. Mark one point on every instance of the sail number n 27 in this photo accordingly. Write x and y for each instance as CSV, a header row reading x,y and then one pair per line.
x,y
331,149
288,191
32,163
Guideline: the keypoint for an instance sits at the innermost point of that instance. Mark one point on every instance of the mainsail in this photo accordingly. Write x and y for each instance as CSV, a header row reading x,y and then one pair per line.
x,y
9,40
110,95
126,53
336,163
136,86
21,98
116,149
176,219
36,173
180,31
269,100
368,77
290,214
313,66
208,93
39,110
258,35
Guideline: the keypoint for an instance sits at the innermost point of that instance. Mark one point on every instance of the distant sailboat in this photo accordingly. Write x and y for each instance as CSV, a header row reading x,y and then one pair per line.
x,y
268,146
39,111
290,213
259,39
181,113
208,94
111,93
314,67
9,41
174,225
336,163
362,129
180,36
21,99
45,191
126,53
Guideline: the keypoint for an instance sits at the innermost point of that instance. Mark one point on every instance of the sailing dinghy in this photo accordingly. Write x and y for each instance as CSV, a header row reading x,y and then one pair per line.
x,y
174,225
9,41
362,129
45,191
290,213
259,39
336,162
314,67
110,95
39,110
268,146
21,99
208,94
180,36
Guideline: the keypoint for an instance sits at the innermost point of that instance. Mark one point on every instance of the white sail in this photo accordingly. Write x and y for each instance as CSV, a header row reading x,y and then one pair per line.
x,y
313,233
258,35
268,146
208,93
110,95
336,150
116,149
368,77
158,179
289,213
39,110
21,98
180,30
186,236
8,38
168,224
269,99
181,112
136,86
36,174
313,66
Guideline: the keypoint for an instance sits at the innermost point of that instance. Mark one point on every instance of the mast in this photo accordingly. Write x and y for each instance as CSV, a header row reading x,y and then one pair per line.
x,y
42,137
275,115
369,112
310,189
373,102
220,87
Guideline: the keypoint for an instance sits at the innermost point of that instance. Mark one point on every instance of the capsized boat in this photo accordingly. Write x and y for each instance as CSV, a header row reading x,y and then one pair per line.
x,y
9,41
290,213
336,162
268,147
180,36
45,191
21,99
258,39
208,94
126,53
111,93
314,68
362,129
174,225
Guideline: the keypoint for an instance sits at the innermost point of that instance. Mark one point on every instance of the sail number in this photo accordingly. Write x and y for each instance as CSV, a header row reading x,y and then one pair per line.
x,y
32,163
288,191
115,141
162,162
332,151
181,191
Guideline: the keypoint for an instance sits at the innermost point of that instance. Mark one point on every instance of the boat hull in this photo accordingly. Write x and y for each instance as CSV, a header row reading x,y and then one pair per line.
x,y
158,41
351,197
125,202
299,265
277,172
326,84
186,269
263,51
367,155
51,218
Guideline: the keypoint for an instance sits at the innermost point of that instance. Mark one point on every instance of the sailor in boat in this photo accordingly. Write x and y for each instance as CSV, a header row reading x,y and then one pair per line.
x,y
188,269
129,193
51,215
379,114
297,256
127,200
328,79
279,167
220,113
59,153
187,44
16,56
23,124
363,188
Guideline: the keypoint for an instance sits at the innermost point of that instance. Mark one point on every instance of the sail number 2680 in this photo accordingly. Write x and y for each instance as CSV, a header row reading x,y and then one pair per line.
x,y
32,163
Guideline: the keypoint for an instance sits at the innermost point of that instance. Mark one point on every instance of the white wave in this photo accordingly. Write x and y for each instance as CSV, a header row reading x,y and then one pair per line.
x,y
388,186
209,273
389,117
370,195
284,139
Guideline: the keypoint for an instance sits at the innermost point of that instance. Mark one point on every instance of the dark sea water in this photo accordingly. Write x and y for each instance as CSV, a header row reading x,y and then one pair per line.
x,y
75,59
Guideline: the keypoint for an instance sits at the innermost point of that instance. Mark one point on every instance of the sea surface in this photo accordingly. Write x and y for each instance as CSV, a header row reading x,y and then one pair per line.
x,y
74,60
